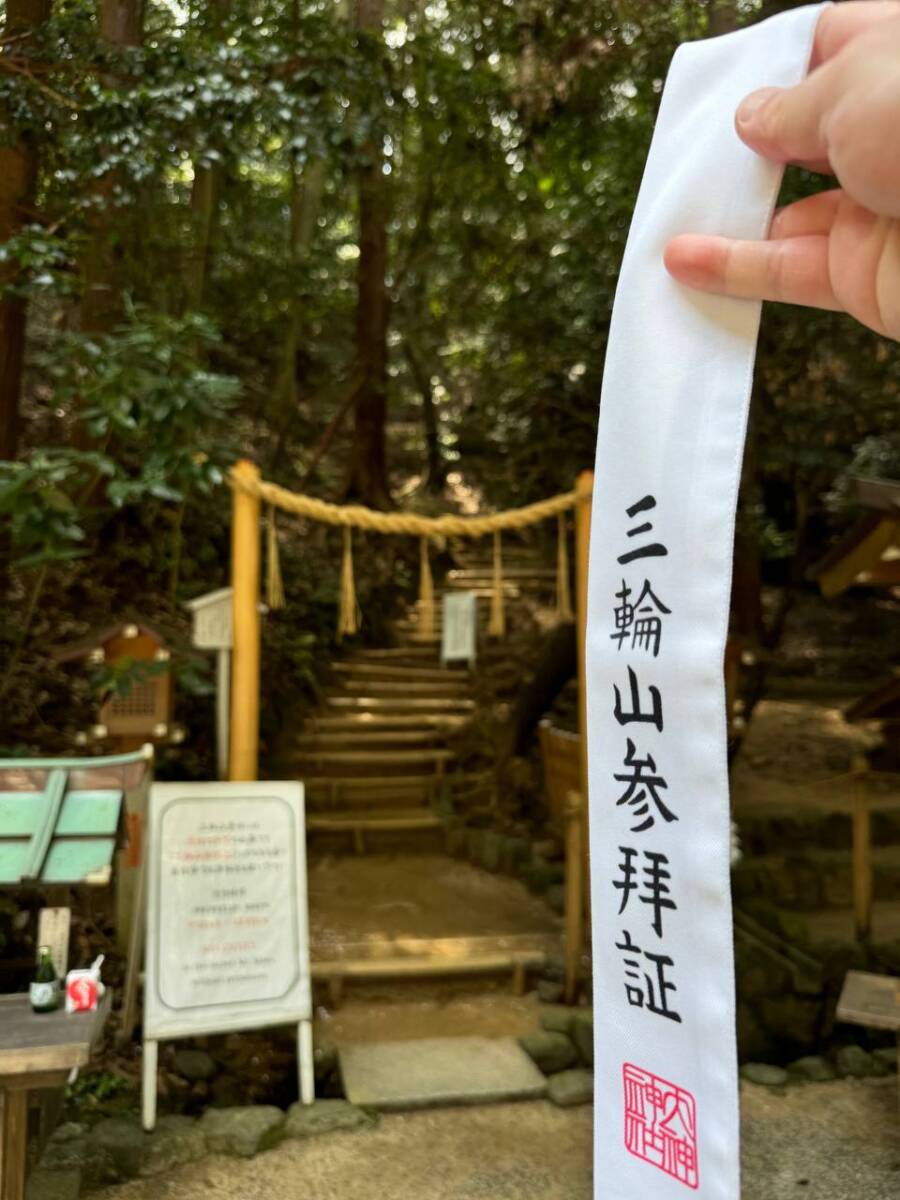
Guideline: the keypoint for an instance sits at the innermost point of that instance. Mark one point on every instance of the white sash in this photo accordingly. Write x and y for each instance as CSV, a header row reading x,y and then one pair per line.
x,y
676,391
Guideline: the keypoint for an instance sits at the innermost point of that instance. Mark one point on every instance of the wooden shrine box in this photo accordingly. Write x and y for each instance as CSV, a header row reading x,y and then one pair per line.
x,y
145,713
869,555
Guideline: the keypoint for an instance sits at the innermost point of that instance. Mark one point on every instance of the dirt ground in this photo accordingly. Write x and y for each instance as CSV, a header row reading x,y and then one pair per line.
x,y
831,1141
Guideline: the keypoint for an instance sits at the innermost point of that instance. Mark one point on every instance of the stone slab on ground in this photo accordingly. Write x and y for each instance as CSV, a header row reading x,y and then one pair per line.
x,y
437,1071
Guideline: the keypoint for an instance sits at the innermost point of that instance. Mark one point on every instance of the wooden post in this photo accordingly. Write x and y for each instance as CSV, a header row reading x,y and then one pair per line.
x,y
15,1141
574,892
862,853
584,493
223,710
245,556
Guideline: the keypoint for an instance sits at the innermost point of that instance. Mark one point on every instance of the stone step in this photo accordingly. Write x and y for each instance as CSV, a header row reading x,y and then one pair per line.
x,y
361,737
813,879
395,687
398,705
360,671
326,794
512,572
391,1076
800,829
377,759
333,793
362,826
401,655
365,722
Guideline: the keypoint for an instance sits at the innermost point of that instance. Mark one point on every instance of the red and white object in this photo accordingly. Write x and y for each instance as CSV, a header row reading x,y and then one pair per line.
x,y
84,988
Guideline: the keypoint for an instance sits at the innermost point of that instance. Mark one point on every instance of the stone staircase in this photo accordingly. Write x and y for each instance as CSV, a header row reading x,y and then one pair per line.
x,y
376,757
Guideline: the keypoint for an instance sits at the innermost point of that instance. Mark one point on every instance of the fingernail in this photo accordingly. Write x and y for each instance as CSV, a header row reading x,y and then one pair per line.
x,y
751,106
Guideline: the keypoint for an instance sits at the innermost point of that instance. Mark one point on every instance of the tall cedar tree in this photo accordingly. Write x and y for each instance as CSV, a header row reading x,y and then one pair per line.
x,y
18,182
368,459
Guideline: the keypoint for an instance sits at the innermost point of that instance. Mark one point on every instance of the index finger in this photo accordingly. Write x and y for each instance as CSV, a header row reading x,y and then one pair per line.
x,y
841,23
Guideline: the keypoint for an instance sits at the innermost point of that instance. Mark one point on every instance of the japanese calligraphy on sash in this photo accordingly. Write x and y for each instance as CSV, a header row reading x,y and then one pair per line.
x,y
672,421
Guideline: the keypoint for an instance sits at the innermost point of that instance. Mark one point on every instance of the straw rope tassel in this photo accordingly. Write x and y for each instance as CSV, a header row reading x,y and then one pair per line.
x,y
563,590
497,625
348,613
426,592
274,584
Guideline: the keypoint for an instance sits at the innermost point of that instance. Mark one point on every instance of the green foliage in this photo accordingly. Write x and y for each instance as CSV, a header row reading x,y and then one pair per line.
x,y
209,178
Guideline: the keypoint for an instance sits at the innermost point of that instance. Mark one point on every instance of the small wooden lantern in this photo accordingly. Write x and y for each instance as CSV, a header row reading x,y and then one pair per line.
x,y
145,713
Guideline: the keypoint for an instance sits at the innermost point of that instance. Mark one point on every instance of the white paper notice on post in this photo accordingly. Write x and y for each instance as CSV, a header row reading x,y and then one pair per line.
x,y
227,925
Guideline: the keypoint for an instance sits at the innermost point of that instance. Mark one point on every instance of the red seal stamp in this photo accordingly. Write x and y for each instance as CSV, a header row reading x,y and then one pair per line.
x,y
661,1124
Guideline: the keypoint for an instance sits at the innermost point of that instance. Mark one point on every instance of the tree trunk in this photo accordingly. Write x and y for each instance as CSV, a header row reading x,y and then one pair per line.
x,y
367,480
120,24
722,17
205,191
204,204
435,470
18,180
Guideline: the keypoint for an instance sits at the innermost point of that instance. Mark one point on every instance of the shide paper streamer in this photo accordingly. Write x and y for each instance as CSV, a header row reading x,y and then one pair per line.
x,y
673,416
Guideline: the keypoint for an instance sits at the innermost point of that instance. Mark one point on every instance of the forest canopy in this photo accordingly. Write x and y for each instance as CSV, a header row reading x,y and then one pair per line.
x,y
372,244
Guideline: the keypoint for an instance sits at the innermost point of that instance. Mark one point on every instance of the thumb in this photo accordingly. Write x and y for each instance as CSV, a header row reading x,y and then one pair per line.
x,y
789,124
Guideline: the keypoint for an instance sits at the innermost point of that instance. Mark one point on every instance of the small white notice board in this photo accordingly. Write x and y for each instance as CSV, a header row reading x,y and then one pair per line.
x,y
459,627
227,927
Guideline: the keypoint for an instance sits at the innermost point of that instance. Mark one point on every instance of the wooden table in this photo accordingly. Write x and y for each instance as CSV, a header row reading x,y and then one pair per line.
x,y
37,1053
873,1001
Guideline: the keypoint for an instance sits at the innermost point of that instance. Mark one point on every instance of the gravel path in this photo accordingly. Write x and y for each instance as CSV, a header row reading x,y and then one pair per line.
x,y
835,1141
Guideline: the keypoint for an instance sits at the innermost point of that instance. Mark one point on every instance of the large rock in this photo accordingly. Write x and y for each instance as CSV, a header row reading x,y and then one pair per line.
x,y
513,852
174,1142
552,1052
242,1131
490,851
569,1088
67,1149
557,1018
325,1116
549,991
121,1141
887,1057
195,1065
583,1034
764,1074
539,875
53,1185
855,1063
811,1069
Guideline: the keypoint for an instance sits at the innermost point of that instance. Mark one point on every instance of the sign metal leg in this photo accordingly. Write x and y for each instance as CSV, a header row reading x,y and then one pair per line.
x,y
305,1062
148,1085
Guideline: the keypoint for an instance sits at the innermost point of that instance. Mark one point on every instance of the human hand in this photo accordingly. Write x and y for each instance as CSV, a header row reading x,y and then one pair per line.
x,y
839,249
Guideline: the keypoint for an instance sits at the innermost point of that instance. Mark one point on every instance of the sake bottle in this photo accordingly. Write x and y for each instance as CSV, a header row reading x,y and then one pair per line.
x,y
44,990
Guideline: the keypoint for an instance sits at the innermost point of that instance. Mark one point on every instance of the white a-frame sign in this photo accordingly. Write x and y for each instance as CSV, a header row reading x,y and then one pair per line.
x,y
227,927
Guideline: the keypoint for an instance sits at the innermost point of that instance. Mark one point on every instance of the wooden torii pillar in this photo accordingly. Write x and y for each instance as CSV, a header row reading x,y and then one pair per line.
x,y
243,761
